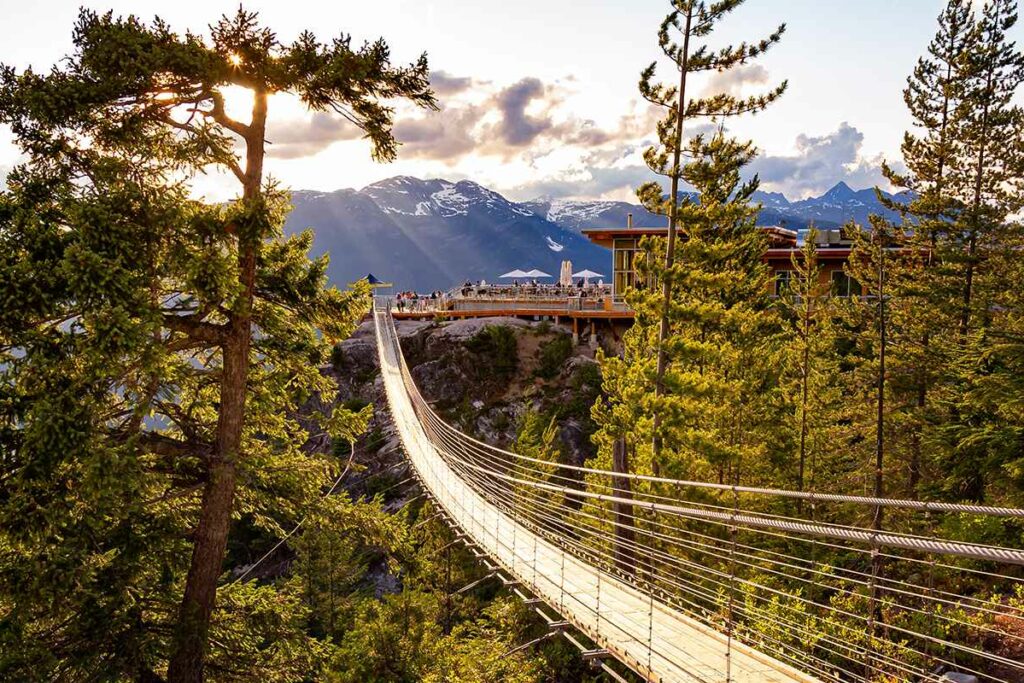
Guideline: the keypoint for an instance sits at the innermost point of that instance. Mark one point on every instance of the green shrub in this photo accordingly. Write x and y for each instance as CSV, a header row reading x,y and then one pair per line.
x,y
500,421
355,404
374,441
337,357
553,355
497,345
587,375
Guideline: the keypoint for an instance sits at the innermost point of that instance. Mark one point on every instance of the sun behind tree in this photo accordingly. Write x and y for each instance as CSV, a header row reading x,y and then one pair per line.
x,y
156,348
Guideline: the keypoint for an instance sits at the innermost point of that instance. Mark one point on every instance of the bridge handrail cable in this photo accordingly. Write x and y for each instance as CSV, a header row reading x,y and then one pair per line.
x,y
674,550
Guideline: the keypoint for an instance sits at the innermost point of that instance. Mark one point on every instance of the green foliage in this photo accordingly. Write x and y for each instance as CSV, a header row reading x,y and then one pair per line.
x,y
585,383
553,354
263,629
496,344
155,349
399,639
333,555
337,358
418,635
811,381
477,651
681,37
717,414
393,640
355,404
953,312
717,232
536,435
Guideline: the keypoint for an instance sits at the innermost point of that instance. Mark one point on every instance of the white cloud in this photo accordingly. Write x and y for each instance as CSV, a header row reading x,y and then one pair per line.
x,y
735,81
820,162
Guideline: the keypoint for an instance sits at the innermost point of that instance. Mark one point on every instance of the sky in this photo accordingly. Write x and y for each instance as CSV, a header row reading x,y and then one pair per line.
x,y
539,97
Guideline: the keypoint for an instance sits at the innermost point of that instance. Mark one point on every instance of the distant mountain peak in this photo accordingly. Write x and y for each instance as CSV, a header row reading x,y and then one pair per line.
x,y
430,233
395,181
773,199
839,192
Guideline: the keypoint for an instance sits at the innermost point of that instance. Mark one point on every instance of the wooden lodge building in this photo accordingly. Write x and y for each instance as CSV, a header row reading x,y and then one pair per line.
x,y
833,252
605,304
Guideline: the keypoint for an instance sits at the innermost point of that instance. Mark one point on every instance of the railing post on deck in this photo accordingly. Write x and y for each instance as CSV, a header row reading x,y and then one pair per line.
x,y
650,627
931,575
874,602
732,582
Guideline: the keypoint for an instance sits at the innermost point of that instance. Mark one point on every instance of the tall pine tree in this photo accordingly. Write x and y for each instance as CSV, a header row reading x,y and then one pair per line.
x,y
156,348
991,179
810,378
683,39
713,420
990,188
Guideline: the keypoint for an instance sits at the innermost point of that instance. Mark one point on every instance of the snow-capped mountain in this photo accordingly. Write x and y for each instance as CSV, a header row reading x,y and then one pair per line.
x,y
413,197
840,205
832,209
576,215
433,234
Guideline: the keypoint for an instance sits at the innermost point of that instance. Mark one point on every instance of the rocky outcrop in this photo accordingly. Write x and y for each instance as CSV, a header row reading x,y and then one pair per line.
x,y
456,374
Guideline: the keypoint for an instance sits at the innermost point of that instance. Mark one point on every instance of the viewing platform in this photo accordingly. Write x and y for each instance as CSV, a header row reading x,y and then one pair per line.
x,y
585,307
594,301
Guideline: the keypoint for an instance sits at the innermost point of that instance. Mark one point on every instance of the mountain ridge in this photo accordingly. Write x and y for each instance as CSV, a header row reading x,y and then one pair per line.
x,y
428,234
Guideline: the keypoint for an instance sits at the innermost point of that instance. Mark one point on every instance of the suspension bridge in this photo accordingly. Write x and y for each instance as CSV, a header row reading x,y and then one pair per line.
x,y
703,582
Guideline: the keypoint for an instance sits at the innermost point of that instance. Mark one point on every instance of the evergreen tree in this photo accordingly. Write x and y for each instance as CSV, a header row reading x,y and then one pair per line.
x,y
991,179
870,264
925,280
975,255
156,348
933,96
713,420
811,370
682,39
988,458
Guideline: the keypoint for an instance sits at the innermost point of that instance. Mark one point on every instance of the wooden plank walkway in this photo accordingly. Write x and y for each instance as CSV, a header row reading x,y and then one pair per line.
x,y
650,637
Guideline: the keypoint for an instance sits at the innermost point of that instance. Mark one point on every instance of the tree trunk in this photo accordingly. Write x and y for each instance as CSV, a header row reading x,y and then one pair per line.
x,y
670,248
625,537
211,537
972,244
805,380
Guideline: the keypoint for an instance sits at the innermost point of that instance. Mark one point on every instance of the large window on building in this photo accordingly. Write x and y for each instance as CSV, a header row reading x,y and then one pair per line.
x,y
783,281
844,285
624,276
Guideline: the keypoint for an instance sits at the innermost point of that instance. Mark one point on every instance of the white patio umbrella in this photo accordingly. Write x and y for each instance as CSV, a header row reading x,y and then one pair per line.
x,y
536,273
586,275
514,273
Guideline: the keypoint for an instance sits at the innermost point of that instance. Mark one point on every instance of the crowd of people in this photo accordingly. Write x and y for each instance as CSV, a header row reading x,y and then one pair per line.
x,y
411,300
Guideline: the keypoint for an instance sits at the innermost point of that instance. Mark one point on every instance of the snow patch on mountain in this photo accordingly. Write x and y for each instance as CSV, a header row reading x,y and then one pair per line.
x,y
569,210
451,202
553,245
